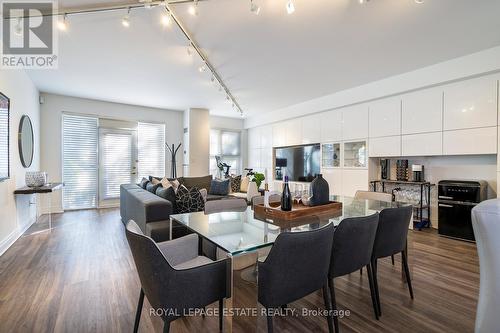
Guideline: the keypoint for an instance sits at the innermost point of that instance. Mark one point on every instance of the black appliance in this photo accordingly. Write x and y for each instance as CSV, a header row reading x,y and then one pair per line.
x,y
418,173
456,198
385,168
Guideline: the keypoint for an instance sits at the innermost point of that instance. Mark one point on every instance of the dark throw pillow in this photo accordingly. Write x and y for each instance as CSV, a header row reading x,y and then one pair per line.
x,y
152,188
167,194
189,201
219,187
235,183
144,182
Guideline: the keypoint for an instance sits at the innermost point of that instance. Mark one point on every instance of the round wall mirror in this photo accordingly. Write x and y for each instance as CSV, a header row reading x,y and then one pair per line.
x,y
26,144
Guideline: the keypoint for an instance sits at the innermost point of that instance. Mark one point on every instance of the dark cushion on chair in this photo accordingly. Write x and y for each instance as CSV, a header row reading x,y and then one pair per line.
x,y
152,188
189,201
219,187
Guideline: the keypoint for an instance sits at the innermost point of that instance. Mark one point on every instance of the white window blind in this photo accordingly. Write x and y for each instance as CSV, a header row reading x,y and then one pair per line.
x,y
4,139
116,162
227,145
80,162
151,150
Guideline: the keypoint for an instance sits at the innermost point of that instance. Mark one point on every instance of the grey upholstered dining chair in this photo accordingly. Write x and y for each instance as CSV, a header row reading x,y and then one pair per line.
x,y
296,266
226,205
352,249
391,237
174,277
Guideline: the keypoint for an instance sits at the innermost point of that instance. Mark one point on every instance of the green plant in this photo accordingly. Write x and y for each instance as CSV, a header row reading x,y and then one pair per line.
x,y
258,178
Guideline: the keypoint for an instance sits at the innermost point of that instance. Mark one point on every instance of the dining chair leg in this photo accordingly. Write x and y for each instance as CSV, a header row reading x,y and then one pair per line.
x,y
375,285
328,307
221,314
269,321
331,285
392,259
372,291
361,271
166,327
407,272
139,311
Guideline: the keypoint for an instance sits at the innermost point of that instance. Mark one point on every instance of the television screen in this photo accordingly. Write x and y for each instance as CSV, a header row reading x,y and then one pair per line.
x,y
299,163
4,137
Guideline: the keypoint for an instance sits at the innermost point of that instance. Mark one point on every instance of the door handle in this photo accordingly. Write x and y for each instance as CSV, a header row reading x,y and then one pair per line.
x,y
443,205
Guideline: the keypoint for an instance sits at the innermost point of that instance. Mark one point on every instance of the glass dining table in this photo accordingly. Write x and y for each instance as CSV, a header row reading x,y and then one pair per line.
x,y
238,233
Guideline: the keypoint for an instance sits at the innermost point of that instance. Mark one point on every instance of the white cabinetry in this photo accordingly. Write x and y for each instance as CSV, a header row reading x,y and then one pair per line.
x,y
311,132
422,111
470,141
331,125
385,117
470,104
293,132
266,136
334,179
355,122
254,137
354,180
425,144
279,134
385,147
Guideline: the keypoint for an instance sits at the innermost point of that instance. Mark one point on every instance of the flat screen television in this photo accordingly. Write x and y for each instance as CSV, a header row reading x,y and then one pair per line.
x,y
299,163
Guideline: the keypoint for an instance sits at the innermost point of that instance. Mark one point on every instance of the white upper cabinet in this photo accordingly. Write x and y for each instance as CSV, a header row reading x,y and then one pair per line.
x,y
279,135
331,125
385,117
470,141
423,144
470,104
254,137
355,122
311,132
266,136
422,111
387,146
293,132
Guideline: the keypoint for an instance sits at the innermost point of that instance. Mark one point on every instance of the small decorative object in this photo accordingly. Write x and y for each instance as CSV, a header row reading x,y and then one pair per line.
x,y
26,141
385,167
35,178
173,152
402,170
320,191
418,172
258,178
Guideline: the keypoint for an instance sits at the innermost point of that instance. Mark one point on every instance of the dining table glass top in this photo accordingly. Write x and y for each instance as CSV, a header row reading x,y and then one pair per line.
x,y
240,232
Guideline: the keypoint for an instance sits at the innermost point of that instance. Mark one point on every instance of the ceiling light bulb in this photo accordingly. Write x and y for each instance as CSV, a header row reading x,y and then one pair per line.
x,y
193,9
254,8
290,8
419,1
126,19
202,68
18,29
62,25
166,19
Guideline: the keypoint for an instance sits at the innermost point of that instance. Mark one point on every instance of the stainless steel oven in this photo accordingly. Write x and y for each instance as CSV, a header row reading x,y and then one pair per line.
x,y
456,198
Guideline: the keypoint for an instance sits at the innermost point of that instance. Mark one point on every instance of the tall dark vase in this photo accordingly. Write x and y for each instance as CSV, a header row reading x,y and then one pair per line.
x,y
320,191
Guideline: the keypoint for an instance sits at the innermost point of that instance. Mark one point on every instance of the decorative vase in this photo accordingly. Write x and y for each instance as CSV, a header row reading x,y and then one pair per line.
x,y
320,191
35,178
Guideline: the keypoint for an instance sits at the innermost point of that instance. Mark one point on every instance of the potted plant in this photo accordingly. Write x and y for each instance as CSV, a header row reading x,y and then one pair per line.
x,y
258,178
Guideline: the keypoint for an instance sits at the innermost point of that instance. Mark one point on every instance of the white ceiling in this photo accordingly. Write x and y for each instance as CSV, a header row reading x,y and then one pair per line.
x,y
268,61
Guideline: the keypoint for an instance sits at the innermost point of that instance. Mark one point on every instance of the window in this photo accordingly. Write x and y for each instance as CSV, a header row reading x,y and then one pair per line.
x,y
4,137
225,144
80,162
151,150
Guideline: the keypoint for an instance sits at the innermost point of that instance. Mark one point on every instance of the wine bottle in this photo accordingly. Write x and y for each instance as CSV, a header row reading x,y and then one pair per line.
x,y
286,197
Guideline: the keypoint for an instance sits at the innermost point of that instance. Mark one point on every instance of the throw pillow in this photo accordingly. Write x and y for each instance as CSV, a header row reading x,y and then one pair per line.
x,y
244,184
199,182
155,181
166,183
143,183
235,183
175,184
189,201
167,194
219,187
152,187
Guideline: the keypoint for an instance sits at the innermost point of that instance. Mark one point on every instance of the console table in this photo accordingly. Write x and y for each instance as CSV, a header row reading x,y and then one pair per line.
x,y
46,189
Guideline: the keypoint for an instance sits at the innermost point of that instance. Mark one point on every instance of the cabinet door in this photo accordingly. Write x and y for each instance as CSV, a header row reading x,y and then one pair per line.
x,y
470,104
355,122
385,117
334,179
470,141
279,135
422,111
266,136
310,129
355,154
254,137
426,144
385,147
293,130
354,180
331,125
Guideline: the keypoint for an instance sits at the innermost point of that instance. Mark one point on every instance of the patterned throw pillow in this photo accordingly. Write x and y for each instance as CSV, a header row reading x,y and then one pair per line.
x,y
188,201
219,187
166,183
235,183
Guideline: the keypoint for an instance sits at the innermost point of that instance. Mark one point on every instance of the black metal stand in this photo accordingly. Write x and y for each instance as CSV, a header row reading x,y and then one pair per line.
x,y
173,152
425,190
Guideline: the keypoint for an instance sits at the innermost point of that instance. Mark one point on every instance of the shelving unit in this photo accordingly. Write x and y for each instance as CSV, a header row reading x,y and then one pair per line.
x,y
420,219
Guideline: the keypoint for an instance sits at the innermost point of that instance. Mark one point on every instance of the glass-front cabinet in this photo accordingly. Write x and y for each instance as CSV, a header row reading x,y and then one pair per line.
x,y
355,154
330,155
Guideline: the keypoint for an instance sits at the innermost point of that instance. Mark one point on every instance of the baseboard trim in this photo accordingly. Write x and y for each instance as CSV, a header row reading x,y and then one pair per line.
x,y
13,237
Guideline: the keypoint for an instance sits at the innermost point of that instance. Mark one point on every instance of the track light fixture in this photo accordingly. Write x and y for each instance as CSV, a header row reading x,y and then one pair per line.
x,y
419,1
254,8
126,19
166,18
189,50
202,68
193,9
290,8
63,25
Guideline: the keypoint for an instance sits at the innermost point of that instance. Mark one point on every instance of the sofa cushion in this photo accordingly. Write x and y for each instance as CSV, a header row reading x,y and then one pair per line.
x,y
144,182
189,201
219,187
244,184
167,194
235,183
199,182
211,197
152,187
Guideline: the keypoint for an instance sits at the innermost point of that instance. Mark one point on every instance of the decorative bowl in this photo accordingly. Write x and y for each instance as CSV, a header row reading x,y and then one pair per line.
x,y
35,178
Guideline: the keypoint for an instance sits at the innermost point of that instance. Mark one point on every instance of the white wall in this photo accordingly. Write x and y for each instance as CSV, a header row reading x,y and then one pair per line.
x,y
237,124
16,213
198,126
51,116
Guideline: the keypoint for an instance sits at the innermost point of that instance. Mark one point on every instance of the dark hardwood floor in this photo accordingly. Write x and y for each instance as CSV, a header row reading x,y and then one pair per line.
x,y
81,278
